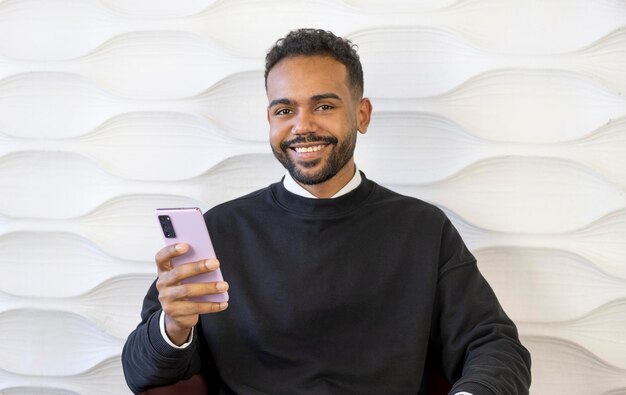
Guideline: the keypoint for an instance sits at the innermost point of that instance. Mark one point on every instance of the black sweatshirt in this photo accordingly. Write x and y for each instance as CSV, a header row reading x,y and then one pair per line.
x,y
353,295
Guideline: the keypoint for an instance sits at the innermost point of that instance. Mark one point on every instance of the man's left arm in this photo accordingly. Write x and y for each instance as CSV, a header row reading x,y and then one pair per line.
x,y
478,344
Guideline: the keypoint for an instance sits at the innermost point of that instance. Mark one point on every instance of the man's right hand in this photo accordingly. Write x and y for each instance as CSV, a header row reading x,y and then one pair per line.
x,y
181,314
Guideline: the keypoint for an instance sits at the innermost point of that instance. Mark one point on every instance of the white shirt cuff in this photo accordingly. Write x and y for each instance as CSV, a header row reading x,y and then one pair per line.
x,y
462,393
167,339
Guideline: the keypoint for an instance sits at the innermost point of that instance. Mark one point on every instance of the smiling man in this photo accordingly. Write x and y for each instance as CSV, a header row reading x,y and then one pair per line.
x,y
337,285
314,114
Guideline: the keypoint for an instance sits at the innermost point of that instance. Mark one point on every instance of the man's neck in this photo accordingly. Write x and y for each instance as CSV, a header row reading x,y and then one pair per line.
x,y
330,188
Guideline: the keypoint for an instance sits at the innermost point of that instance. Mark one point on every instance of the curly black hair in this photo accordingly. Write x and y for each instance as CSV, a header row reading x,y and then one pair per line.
x,y
310,42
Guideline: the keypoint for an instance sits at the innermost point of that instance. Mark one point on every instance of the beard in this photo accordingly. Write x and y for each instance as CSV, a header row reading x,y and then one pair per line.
x,y
340,155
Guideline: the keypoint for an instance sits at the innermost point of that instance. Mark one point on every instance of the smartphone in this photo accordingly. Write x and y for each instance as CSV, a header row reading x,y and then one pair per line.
x,y
186,224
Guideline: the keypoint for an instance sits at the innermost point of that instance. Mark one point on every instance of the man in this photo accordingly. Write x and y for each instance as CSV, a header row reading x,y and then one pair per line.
x,y
337,285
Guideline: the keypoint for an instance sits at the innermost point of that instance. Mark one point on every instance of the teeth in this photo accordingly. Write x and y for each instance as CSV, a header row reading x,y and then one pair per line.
x,y
309,149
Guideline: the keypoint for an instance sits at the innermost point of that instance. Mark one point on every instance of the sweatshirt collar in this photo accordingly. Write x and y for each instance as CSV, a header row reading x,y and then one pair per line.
x,y
323,208
292,186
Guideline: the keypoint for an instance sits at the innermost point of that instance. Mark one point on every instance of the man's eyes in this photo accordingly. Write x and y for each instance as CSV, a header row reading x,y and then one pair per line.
x,y
283,111
287,111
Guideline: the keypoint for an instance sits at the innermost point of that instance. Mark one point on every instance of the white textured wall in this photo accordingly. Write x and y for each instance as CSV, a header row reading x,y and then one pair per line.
x,y
509,114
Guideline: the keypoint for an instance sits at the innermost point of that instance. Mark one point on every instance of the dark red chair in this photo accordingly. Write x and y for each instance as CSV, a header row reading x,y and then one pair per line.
x,y
197,386
438,384
193,386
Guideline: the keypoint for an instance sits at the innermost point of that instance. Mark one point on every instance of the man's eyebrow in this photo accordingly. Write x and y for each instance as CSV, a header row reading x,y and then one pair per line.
x,y
314,98
323,96
279,101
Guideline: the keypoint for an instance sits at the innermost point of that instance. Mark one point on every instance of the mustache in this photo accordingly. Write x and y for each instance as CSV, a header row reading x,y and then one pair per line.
x,y
311,138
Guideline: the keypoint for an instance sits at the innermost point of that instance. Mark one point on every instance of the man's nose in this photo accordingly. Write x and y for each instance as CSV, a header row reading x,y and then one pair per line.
x,y
304,123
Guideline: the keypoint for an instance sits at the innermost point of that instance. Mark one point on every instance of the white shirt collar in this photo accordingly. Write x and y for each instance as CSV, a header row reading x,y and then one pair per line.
x,y
292,186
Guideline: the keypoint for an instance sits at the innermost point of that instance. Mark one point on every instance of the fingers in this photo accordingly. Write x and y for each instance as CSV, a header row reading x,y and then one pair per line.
x,y
184,309
184,312
164,256
171,290
175,297
191,290
163,259
181,272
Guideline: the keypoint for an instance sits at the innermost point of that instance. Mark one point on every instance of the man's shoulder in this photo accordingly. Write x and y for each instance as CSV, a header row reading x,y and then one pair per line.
x,y
250,200
407,204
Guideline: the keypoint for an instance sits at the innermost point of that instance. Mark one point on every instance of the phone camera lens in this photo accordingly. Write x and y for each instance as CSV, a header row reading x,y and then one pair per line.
x,y
166,225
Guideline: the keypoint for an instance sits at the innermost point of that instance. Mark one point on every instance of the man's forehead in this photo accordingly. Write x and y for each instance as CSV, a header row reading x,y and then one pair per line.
x,y
305,77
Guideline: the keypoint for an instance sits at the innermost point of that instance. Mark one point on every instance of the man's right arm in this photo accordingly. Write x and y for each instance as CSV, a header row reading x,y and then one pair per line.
x,y
148,358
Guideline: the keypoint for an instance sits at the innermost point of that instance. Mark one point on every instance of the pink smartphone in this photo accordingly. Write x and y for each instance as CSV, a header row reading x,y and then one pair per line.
x,y
187,225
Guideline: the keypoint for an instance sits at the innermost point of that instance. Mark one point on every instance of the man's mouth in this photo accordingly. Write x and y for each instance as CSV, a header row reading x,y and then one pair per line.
x,y
310,143
308,149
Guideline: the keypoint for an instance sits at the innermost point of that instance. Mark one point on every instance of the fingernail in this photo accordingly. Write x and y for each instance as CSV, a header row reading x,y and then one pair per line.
x,y
178,247
221,286
210,264
223,305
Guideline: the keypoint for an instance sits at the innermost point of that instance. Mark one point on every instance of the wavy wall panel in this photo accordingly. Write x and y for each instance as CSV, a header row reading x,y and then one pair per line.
x,y
61,250
149,144
78,344
573,369
522,105
524,194
436,148
600,331
508,114
102,378
88,107
579,22
600,242
552,275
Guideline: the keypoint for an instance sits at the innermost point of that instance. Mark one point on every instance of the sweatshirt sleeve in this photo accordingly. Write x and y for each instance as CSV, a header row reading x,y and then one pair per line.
x,y
479,348
148,360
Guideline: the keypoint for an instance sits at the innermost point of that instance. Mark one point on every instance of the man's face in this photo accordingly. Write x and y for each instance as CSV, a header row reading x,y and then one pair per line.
x,y
313,117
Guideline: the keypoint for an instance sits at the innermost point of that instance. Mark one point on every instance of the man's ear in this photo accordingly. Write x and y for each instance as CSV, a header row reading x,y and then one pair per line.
x,y
364,114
